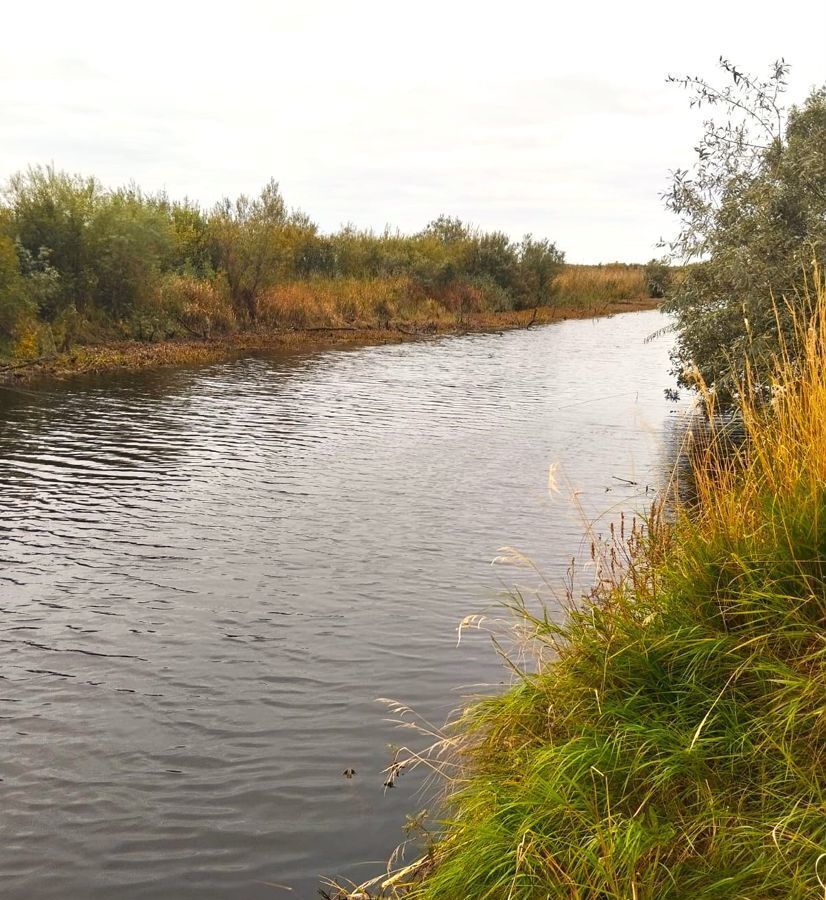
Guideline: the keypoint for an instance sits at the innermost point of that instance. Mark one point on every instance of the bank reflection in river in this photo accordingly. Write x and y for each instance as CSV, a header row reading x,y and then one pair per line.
x,y
210,575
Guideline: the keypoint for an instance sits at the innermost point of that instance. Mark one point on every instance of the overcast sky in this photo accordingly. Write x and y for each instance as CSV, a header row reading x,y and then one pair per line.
x,y
548,117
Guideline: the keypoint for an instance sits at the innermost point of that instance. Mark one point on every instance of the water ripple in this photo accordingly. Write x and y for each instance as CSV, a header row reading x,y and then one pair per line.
x,y
208,575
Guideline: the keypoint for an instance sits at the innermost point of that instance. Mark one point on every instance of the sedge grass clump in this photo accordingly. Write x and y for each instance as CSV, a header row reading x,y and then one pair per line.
x,y
670,739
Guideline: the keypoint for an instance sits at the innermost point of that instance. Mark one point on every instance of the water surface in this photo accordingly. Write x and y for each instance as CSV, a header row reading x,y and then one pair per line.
x,y
208,575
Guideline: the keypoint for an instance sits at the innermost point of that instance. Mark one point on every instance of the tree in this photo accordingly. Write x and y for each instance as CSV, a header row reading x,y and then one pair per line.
x,y
539,262
12,288
494,255
658,278
53,212
447,230
247,236
131,237
191,251
103,250
752,218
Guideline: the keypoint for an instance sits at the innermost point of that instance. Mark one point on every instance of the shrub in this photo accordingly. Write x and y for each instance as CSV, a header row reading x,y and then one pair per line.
x,y
13,300
105,247
98,263
753,215
539,264
657,275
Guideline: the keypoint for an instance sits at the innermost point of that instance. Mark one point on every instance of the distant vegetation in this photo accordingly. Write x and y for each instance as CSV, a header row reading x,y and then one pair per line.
x,y
83,263
611,282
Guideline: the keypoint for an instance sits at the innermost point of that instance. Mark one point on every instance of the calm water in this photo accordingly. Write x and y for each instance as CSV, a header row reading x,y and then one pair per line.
x,y
208,576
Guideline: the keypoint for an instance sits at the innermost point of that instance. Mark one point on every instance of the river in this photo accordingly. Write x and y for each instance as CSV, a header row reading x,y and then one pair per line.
x,y
208,575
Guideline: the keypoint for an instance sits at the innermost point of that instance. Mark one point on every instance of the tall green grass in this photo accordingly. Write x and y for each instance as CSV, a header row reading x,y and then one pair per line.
x,y
669,739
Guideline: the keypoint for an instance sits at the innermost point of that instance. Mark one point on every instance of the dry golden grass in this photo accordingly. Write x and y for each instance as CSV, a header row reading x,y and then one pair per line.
x,y
339,302
785,423
378,302
595,285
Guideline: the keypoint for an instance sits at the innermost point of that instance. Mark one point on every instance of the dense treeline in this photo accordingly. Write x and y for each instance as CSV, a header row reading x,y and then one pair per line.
x,y
79,261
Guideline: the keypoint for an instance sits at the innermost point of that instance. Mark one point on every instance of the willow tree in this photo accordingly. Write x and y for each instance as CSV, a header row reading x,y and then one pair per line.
x,y
540,261
248,238
752,215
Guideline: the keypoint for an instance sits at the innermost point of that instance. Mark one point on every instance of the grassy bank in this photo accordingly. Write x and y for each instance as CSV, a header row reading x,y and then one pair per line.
x,y
304,319
668,739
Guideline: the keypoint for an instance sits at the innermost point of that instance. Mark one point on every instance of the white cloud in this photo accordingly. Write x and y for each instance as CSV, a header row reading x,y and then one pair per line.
x,y
526,117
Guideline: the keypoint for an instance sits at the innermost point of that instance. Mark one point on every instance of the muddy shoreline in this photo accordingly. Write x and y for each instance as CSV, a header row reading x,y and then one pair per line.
x,y
133,355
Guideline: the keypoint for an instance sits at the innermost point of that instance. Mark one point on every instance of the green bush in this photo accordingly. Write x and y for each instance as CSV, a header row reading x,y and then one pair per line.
x,y
94,263
658,276
753,218
13,301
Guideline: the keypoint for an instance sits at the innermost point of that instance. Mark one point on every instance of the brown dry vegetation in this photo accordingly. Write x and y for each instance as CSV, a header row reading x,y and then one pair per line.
x,y
595,285
305,316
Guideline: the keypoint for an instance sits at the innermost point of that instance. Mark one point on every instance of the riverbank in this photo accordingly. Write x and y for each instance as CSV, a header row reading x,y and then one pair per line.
x,y
666,739
134,355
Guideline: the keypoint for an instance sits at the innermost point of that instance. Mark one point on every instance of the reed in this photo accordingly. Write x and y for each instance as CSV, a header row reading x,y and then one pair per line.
x,y
595,285
336,302
667,738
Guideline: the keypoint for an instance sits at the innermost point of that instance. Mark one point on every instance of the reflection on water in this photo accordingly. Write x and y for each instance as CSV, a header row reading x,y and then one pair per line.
x,y
208,576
